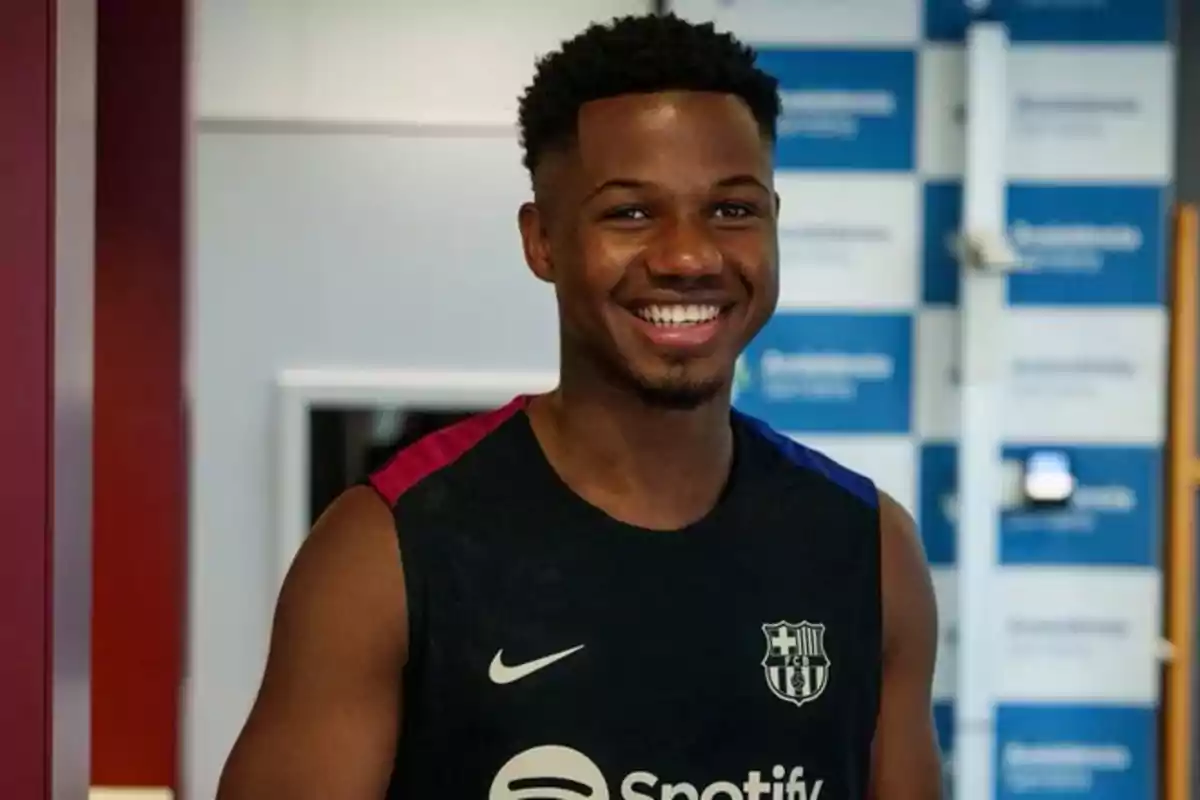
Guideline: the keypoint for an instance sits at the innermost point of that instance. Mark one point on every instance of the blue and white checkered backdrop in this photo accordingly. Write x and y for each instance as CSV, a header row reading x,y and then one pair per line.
x,y
860,361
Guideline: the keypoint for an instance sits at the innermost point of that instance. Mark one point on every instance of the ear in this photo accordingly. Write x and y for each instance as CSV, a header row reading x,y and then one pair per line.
x,y
778,204
535,241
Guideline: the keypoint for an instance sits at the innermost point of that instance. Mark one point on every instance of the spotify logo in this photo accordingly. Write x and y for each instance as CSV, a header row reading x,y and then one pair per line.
x,y
560,773
550,771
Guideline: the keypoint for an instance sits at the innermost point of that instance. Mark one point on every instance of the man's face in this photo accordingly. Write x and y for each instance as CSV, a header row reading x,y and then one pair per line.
x,y
658,231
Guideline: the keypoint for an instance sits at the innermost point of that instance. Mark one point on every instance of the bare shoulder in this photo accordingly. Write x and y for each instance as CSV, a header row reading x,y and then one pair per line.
x,y
896,522
326,717
351,556
348,576
910,610
346,582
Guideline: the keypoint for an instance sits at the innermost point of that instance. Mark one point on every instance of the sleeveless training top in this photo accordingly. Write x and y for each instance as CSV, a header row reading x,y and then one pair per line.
x,y
558,653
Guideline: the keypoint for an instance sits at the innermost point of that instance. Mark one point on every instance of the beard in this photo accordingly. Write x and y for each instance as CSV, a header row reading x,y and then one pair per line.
x,y
674,390
675,395
671,387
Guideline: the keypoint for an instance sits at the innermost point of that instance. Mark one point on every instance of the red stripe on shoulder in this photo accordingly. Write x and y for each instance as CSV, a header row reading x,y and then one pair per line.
x,y
412,464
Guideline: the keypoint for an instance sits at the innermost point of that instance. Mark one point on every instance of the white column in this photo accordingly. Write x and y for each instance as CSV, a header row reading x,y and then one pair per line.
x,y
982,338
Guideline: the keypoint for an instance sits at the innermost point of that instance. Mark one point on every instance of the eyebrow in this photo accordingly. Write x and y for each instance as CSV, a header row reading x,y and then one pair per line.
x,y
732,181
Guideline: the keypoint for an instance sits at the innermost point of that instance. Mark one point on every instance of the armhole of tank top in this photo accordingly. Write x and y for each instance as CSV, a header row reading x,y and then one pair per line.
x,y
416,604
877,608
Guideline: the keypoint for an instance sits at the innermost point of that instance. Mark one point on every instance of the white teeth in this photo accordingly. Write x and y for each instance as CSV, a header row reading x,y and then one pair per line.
x,y
678,314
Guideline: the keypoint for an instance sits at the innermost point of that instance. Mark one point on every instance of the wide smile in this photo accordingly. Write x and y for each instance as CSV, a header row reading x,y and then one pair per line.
x,y
681,326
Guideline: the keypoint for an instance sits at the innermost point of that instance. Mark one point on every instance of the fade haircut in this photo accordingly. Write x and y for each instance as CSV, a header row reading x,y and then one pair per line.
x,y
638,55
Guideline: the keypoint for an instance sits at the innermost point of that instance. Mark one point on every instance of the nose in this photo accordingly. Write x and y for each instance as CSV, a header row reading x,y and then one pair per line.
x,y
684,248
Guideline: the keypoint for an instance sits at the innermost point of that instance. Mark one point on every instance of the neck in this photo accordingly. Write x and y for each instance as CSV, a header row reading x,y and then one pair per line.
x,y
657,468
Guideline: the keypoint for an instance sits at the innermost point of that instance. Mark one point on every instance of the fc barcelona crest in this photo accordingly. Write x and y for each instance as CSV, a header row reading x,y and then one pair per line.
x,y
796,665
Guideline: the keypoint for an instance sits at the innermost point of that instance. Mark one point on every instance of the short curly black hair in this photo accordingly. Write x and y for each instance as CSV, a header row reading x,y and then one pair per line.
x,y
633,55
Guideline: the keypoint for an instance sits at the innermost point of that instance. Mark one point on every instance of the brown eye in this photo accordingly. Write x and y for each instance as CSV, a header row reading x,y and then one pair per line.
x,y
734,211
627,214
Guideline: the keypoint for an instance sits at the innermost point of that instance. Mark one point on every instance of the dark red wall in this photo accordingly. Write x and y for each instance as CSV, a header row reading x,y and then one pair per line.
x,y
27,54
140,485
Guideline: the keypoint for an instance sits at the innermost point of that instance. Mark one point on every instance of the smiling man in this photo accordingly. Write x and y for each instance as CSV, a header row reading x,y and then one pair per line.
x,y
621,588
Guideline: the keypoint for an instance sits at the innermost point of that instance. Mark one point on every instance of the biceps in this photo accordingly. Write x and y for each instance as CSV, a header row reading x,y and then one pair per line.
x,y
332,745
906,759
325,721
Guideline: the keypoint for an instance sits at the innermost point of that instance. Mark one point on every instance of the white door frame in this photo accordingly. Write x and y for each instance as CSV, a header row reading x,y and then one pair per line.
x,y
299,391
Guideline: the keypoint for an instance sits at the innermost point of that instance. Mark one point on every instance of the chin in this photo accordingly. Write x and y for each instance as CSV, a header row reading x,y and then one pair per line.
x,y
677,393
678,385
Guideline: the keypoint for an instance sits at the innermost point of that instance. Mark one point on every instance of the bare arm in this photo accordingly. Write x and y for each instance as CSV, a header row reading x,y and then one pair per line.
x,y
906,762
325,721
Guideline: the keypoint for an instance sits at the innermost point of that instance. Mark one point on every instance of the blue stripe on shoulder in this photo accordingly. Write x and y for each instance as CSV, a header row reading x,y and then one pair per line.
x,y
858,485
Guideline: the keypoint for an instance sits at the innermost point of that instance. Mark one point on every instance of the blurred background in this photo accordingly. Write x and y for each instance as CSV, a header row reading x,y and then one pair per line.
x,y
249,246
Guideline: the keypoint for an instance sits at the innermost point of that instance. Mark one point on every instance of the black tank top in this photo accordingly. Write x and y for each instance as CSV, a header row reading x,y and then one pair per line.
x,y
558,653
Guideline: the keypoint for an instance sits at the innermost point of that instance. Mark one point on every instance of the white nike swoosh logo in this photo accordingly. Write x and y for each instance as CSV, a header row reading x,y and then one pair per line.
x,y
500,673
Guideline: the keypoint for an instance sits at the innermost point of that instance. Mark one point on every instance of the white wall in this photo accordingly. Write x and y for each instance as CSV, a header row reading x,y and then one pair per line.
x,y
355,184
